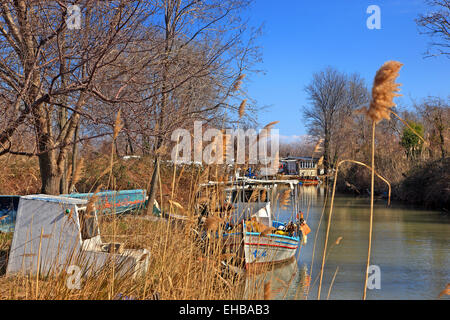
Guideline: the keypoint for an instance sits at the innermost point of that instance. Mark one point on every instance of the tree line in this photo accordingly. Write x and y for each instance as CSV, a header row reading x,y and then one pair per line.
x,y
417,134
160,64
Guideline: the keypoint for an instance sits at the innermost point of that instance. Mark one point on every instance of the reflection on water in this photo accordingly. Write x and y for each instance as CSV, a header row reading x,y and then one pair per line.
x,y
411,247
286,282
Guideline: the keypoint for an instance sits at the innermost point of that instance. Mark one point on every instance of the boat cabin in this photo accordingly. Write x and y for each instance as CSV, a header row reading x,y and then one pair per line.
x,y
300,166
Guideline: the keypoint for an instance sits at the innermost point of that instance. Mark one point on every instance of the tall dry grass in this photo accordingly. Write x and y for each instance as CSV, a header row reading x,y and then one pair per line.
x,y
384,90
181,266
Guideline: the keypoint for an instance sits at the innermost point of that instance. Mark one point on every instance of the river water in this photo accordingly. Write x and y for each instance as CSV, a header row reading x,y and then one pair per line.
x,y
410,249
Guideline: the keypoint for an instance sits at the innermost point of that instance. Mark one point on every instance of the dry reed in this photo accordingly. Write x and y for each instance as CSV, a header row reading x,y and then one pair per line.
x,y
324,255
242,108
332,282
268,290
384,90
237,83
285,199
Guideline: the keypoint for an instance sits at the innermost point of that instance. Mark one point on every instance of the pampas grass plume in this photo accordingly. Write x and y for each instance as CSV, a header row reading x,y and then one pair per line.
x,y
384,90
237,84
242,108
265,132
92,200
320,162
285,199
317,147
117,125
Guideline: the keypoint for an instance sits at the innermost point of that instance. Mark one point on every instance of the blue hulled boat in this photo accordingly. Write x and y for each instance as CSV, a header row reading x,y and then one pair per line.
x,y
116,202
8,212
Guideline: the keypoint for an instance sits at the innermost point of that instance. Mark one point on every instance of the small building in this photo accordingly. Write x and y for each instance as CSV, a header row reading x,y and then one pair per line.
x,y
300,166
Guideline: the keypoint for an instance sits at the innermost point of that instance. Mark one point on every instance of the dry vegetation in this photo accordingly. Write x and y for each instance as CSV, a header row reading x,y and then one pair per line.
x,y
181,266
414,137
179,269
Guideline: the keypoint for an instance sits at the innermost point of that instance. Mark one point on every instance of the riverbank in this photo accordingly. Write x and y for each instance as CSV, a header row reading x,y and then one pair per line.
x,y
20,176
426,185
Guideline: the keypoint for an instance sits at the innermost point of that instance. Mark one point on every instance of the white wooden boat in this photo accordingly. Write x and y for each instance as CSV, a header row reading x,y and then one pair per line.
x,y
53,233
251,246
271,248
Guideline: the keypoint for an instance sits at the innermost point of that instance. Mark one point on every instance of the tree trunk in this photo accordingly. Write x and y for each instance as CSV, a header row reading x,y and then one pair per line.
x,y
153,186
326,151
49,175
74,158
130,146
442,143
64,184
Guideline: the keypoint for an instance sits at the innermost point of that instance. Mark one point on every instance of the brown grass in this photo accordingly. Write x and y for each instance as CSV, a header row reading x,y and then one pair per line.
x,y
178,269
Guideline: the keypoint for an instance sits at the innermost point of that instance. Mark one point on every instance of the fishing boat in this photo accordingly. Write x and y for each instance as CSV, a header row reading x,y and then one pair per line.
x,y
252,233
270,248
118,202
309,182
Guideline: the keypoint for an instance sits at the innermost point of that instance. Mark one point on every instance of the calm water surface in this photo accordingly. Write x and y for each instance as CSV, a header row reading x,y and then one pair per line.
x,y
409,245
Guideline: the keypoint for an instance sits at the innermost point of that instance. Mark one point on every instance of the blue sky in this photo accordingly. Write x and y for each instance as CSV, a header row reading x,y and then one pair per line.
x,y
302,37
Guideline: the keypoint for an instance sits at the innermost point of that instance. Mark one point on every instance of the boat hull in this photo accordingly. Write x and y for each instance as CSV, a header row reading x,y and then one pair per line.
x,y
116,202
308,182
268,249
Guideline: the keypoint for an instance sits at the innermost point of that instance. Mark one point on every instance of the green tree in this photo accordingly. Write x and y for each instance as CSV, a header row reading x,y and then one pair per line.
x,y
410,141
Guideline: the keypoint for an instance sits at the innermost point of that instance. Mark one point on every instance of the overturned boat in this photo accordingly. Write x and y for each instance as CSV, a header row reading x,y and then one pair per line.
x,y
108,202
54,234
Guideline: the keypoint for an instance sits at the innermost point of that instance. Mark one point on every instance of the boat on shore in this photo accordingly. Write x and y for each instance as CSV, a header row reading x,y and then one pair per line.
x,y
115,202
8,212
108,202
67,232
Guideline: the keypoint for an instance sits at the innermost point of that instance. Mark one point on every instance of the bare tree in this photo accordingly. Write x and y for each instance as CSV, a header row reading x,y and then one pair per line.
x,y
213,31
333,97
45,67
435,113
437,24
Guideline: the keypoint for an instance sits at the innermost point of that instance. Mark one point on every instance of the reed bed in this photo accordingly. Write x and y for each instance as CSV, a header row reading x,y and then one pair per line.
x,y
181,266
179,269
